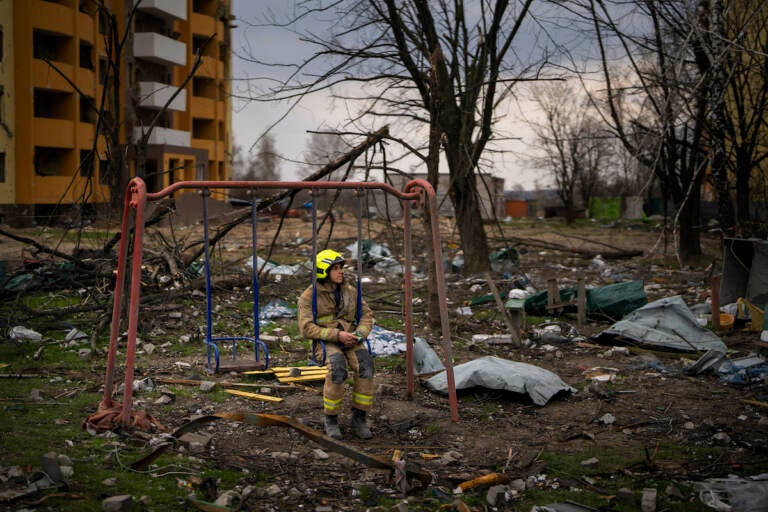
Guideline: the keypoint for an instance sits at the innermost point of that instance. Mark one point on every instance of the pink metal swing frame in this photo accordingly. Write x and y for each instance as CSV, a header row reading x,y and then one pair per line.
x,y
415,192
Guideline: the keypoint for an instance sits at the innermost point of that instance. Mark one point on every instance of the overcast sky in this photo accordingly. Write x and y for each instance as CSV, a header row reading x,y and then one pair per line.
x,y
252,118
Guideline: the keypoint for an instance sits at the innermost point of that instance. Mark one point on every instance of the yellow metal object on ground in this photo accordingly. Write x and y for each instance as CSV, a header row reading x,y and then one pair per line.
x,y
288,374
255,396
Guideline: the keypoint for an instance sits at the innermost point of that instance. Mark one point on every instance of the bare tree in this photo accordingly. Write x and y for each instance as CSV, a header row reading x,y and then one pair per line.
x,y
237,162
323,147
266,165
446,64
743,63
661,46
574,146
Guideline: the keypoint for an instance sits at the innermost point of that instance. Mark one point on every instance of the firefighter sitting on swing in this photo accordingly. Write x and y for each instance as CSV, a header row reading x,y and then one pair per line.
x,y
343,331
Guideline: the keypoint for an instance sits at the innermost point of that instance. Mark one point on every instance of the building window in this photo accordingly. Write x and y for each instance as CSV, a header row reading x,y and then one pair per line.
x,y
52,161
207,7
103,71
205,88
2,167
53,104
53,47
203,129
201,44
88,112
103,21
104,172
86,55
86,163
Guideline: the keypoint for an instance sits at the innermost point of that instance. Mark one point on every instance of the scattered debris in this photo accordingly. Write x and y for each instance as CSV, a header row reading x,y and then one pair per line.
x,y
748,494
21,333
254,396
495,373
666,323
482,481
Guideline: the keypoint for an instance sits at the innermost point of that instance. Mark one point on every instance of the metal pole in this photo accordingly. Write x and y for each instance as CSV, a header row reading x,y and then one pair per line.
x,y
431,203
140,200
408,297
117,304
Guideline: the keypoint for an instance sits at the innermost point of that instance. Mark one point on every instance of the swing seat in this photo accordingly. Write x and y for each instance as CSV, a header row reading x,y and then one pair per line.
x,y
234,364
313,358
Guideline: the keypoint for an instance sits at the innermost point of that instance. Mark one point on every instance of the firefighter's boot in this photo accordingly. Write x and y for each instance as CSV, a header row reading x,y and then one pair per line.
x,y
360,425
332,427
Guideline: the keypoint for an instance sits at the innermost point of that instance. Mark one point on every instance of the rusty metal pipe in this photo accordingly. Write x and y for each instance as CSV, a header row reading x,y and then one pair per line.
x,y
431,201
283,184
117,303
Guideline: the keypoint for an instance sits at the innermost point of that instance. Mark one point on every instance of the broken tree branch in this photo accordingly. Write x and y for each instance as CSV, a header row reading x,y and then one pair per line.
x,y
321,173
587,253
77,262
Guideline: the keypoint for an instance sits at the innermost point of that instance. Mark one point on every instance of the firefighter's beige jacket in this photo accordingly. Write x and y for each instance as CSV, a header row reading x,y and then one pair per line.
x,y
330,319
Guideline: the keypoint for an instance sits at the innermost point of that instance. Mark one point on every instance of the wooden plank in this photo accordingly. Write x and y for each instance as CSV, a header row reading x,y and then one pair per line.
x,y
239,365
306,378
283,370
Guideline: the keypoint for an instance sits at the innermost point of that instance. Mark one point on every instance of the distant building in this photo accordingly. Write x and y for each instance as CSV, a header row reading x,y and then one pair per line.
x,y
532,203
490,190
52,150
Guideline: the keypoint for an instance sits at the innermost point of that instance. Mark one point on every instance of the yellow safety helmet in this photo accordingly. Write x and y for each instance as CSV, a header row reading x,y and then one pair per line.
x,y
325,260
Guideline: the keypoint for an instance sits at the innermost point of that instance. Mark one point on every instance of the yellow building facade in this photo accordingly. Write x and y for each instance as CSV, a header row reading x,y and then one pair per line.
x,y
82,83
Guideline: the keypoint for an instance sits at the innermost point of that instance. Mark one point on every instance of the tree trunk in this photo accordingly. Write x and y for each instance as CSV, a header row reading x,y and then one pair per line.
x,y
689,246
469,223
743,174
433,158
717,124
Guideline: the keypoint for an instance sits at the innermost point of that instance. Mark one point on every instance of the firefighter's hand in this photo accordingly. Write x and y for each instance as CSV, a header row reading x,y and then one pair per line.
x,y
348,339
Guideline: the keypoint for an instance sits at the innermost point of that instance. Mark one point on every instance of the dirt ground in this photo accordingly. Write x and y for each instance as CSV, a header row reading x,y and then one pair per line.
x,y
652,402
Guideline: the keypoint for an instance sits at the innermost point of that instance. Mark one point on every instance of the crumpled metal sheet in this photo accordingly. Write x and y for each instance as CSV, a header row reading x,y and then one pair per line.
x,y
665,323
497,373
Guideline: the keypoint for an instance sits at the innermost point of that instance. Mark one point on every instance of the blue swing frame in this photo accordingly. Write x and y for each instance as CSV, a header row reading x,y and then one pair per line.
x,y
211,342
359,305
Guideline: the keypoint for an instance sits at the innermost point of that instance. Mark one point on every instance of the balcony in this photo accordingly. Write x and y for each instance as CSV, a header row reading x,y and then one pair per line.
x,y
166,9
210,67
158,48
85,27
53,17
155,95
164,136
203,107
85,134
209,145
45,77
86,80
54,133
202,24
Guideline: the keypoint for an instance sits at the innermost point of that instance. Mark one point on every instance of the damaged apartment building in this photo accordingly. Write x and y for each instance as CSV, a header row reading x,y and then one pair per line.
x,y
82,80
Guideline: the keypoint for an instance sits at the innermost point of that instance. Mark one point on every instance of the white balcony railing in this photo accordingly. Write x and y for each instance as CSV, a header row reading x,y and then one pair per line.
x,y
164,136
159,48
155,95
166,9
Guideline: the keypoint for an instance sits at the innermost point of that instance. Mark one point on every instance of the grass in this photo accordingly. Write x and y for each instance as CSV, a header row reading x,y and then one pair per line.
x,y
44,413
